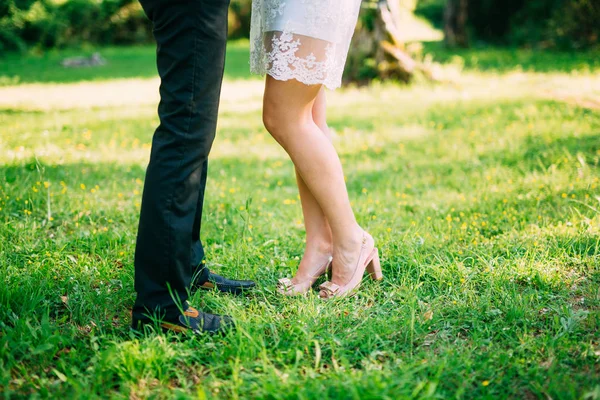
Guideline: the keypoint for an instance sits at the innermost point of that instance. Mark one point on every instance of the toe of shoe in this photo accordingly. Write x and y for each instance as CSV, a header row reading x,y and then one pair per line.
x,y
230,285
216,323
207,323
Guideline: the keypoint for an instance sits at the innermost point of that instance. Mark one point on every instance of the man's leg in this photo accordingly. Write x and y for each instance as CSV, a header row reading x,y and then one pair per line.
x,y
199,270
191,38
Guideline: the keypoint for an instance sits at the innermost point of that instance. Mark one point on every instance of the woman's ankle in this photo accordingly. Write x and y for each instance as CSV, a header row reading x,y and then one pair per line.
x,y
350,239
319,246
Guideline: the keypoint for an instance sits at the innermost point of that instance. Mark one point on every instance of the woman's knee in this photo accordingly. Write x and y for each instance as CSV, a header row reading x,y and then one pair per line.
x,y
287,105
281,118
272,118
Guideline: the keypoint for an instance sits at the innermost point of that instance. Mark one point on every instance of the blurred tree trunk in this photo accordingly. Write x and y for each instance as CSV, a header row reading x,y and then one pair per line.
x,y
455,23
379,50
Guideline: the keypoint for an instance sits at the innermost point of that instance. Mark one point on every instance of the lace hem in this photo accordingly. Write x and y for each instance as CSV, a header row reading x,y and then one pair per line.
x,y
306,40
283,63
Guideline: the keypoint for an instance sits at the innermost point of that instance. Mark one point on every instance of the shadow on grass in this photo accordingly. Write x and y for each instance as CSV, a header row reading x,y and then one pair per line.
x,y
19,111
540,154
502,59
139,62
122,62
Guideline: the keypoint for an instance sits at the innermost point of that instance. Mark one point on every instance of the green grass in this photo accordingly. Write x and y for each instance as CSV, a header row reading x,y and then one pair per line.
x,y
513,59
484,204
122,62
139,62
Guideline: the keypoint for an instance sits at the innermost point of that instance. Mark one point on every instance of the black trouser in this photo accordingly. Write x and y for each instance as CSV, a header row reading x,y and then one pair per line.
x,y
191,37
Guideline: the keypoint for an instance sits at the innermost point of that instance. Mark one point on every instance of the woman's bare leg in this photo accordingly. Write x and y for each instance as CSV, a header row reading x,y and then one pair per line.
x,y
319,241
287,114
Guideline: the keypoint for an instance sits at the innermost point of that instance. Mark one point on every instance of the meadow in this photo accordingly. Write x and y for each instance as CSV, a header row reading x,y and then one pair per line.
x,y
483,197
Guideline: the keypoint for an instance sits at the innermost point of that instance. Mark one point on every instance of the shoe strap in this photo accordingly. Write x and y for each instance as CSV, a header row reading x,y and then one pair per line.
x,y
323,268
285,284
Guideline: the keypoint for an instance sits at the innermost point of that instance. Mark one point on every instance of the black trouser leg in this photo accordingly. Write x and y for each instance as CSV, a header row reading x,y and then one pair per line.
x,y
191,37
199,270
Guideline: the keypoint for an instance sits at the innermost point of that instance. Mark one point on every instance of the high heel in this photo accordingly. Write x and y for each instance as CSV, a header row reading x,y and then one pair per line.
x,y
370,263
374,267
287,288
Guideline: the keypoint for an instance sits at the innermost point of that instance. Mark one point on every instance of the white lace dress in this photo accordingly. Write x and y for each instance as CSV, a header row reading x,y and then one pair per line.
x,y
306,40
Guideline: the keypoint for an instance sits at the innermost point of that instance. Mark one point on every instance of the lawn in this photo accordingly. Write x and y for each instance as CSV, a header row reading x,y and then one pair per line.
x,y
483,197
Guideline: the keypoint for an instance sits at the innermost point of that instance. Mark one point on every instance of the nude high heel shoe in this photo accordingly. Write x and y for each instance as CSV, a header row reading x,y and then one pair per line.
x,y
368,260
287,288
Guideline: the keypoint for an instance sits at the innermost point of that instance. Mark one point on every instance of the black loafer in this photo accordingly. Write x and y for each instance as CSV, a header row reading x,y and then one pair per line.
x,y
192,320
225,285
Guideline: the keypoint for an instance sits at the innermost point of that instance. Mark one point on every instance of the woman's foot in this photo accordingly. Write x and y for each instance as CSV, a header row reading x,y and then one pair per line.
x,y
314,264
351,260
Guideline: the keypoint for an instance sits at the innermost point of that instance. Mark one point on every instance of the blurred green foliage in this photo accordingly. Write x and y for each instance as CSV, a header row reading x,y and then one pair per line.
x,y
432,10
46,24
42,24
563,24
59,23
239,18
548,23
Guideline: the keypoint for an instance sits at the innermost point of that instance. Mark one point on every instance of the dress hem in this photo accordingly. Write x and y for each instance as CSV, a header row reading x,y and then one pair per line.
x,y
299,79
